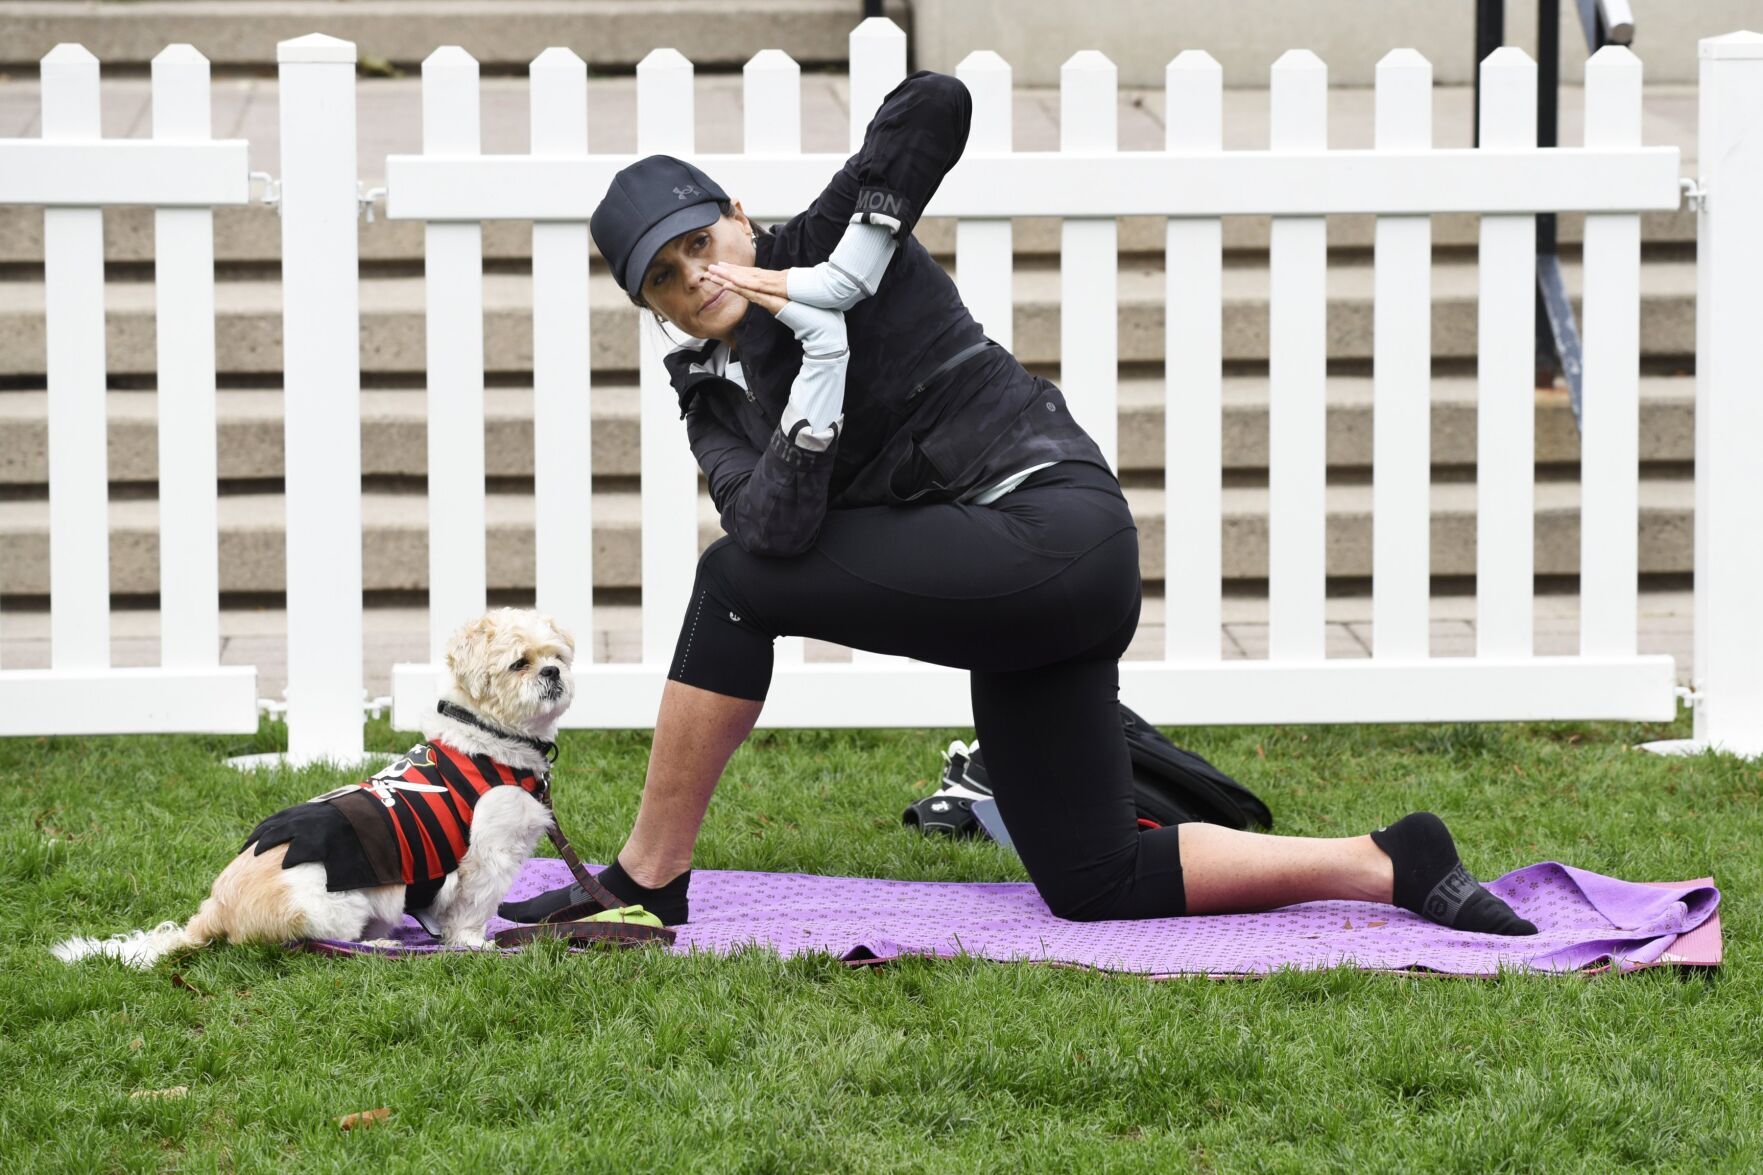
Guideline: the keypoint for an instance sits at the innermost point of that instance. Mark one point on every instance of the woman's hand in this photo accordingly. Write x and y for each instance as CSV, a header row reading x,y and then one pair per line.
x,y
765,288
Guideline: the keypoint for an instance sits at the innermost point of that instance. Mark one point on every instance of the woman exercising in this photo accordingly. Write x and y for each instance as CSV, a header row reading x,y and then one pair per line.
x,y
890,479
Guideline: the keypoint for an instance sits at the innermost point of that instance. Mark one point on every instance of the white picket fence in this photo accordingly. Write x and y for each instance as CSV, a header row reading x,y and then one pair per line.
x,y
454,189
183,172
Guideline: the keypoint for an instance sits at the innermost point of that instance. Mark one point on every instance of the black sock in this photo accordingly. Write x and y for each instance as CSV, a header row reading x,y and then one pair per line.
x,y
1431,881
667,902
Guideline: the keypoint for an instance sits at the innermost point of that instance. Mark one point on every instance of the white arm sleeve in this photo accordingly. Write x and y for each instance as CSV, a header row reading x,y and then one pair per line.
x,y
816,407
850,275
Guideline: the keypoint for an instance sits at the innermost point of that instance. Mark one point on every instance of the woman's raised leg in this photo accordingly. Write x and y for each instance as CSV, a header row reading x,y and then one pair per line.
x,y
695,734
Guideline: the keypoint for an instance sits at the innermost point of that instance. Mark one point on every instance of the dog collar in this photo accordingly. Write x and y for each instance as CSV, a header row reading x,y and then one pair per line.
x,y
460,714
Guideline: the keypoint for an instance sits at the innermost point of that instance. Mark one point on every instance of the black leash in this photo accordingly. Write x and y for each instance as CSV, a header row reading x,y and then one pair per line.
x,y
583,878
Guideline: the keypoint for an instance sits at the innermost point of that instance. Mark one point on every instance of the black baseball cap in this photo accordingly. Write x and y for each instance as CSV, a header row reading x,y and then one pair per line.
x,y
649,203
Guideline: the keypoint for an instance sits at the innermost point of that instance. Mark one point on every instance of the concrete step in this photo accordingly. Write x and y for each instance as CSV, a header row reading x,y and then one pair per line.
x,y
394,429
395,542
249,323
612,34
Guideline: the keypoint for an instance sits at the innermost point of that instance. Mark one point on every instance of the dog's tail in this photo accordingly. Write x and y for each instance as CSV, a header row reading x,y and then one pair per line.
x,y
143,948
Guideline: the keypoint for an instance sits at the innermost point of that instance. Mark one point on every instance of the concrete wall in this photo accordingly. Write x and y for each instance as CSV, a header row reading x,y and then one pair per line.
x,y
1246,36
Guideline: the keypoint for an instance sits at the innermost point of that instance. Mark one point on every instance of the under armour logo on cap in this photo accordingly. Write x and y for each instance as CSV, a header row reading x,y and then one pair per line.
x,y
688,190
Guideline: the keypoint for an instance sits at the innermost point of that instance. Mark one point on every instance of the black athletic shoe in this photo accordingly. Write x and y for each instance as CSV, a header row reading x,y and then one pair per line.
x,y
949,809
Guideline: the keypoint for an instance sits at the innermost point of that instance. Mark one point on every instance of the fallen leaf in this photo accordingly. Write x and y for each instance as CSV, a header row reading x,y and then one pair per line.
x,y
365,1118
1260,751
135,1045
178,980
174,1091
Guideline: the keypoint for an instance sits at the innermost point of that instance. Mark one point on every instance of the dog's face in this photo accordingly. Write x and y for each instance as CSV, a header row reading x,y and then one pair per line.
x,y
512,665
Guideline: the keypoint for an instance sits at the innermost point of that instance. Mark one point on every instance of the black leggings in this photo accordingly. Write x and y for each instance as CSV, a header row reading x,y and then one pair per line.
x,y
1038,596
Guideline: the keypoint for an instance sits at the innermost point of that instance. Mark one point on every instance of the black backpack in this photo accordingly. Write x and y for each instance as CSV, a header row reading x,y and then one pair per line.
x,y
1175,786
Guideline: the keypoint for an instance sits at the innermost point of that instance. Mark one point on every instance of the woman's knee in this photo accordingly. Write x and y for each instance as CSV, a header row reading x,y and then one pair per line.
x,y
1145,882
1086,899
723,575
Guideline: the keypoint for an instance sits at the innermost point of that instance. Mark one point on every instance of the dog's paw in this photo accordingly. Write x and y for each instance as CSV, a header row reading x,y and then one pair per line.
x,y
384,943
468,942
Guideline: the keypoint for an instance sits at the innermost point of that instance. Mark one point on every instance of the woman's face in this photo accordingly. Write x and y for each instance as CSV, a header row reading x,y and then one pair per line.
x,y
678,285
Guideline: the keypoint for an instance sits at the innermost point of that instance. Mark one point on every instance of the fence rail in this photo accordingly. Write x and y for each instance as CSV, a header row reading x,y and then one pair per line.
x,y
455,189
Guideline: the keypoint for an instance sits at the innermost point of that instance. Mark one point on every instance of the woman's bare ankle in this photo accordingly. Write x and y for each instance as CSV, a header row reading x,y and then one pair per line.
x,y
650,873
1380,873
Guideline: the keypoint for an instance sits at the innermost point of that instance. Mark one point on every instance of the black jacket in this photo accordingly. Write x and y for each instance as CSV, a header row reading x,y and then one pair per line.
x,y
905,438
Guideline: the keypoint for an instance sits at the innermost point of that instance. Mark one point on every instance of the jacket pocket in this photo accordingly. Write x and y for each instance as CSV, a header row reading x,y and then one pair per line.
x,y
917,477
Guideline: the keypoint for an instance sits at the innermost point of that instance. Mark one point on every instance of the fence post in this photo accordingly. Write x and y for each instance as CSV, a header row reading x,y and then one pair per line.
x,y
1401,377
1505,379
563,485
1193,378
1089,259
1729,397
983,257
73,312
771,123
453,285
183,268
669,484
1297,381
1610,412
321,365
877,49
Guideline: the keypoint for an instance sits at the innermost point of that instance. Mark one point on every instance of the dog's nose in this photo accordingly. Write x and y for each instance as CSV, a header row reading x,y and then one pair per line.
x,y
550,673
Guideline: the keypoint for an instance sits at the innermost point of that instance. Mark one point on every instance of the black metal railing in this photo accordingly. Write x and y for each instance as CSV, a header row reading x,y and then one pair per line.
x,y
1605,22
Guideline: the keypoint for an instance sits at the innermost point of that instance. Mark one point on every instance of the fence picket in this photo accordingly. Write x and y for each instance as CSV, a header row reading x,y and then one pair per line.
x,y
1297,410
1402,380
321,412
878,63
453,271
73,312
563,483
983,248
1193,351
771,111
1505,379
1609,464
665,125
1089,259
183,268
771,104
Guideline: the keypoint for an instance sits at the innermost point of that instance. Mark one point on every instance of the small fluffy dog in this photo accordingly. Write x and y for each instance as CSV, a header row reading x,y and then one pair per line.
x,y
440,833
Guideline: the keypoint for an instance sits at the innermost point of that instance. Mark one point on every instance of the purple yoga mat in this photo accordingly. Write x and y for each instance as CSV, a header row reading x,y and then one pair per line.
x,y
1585,921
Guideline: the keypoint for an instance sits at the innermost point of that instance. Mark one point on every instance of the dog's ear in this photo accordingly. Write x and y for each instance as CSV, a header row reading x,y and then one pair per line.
x,y
468,656
561,635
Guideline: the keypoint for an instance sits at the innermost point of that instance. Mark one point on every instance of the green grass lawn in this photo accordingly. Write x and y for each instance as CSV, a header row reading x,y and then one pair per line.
x,y
626,1061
